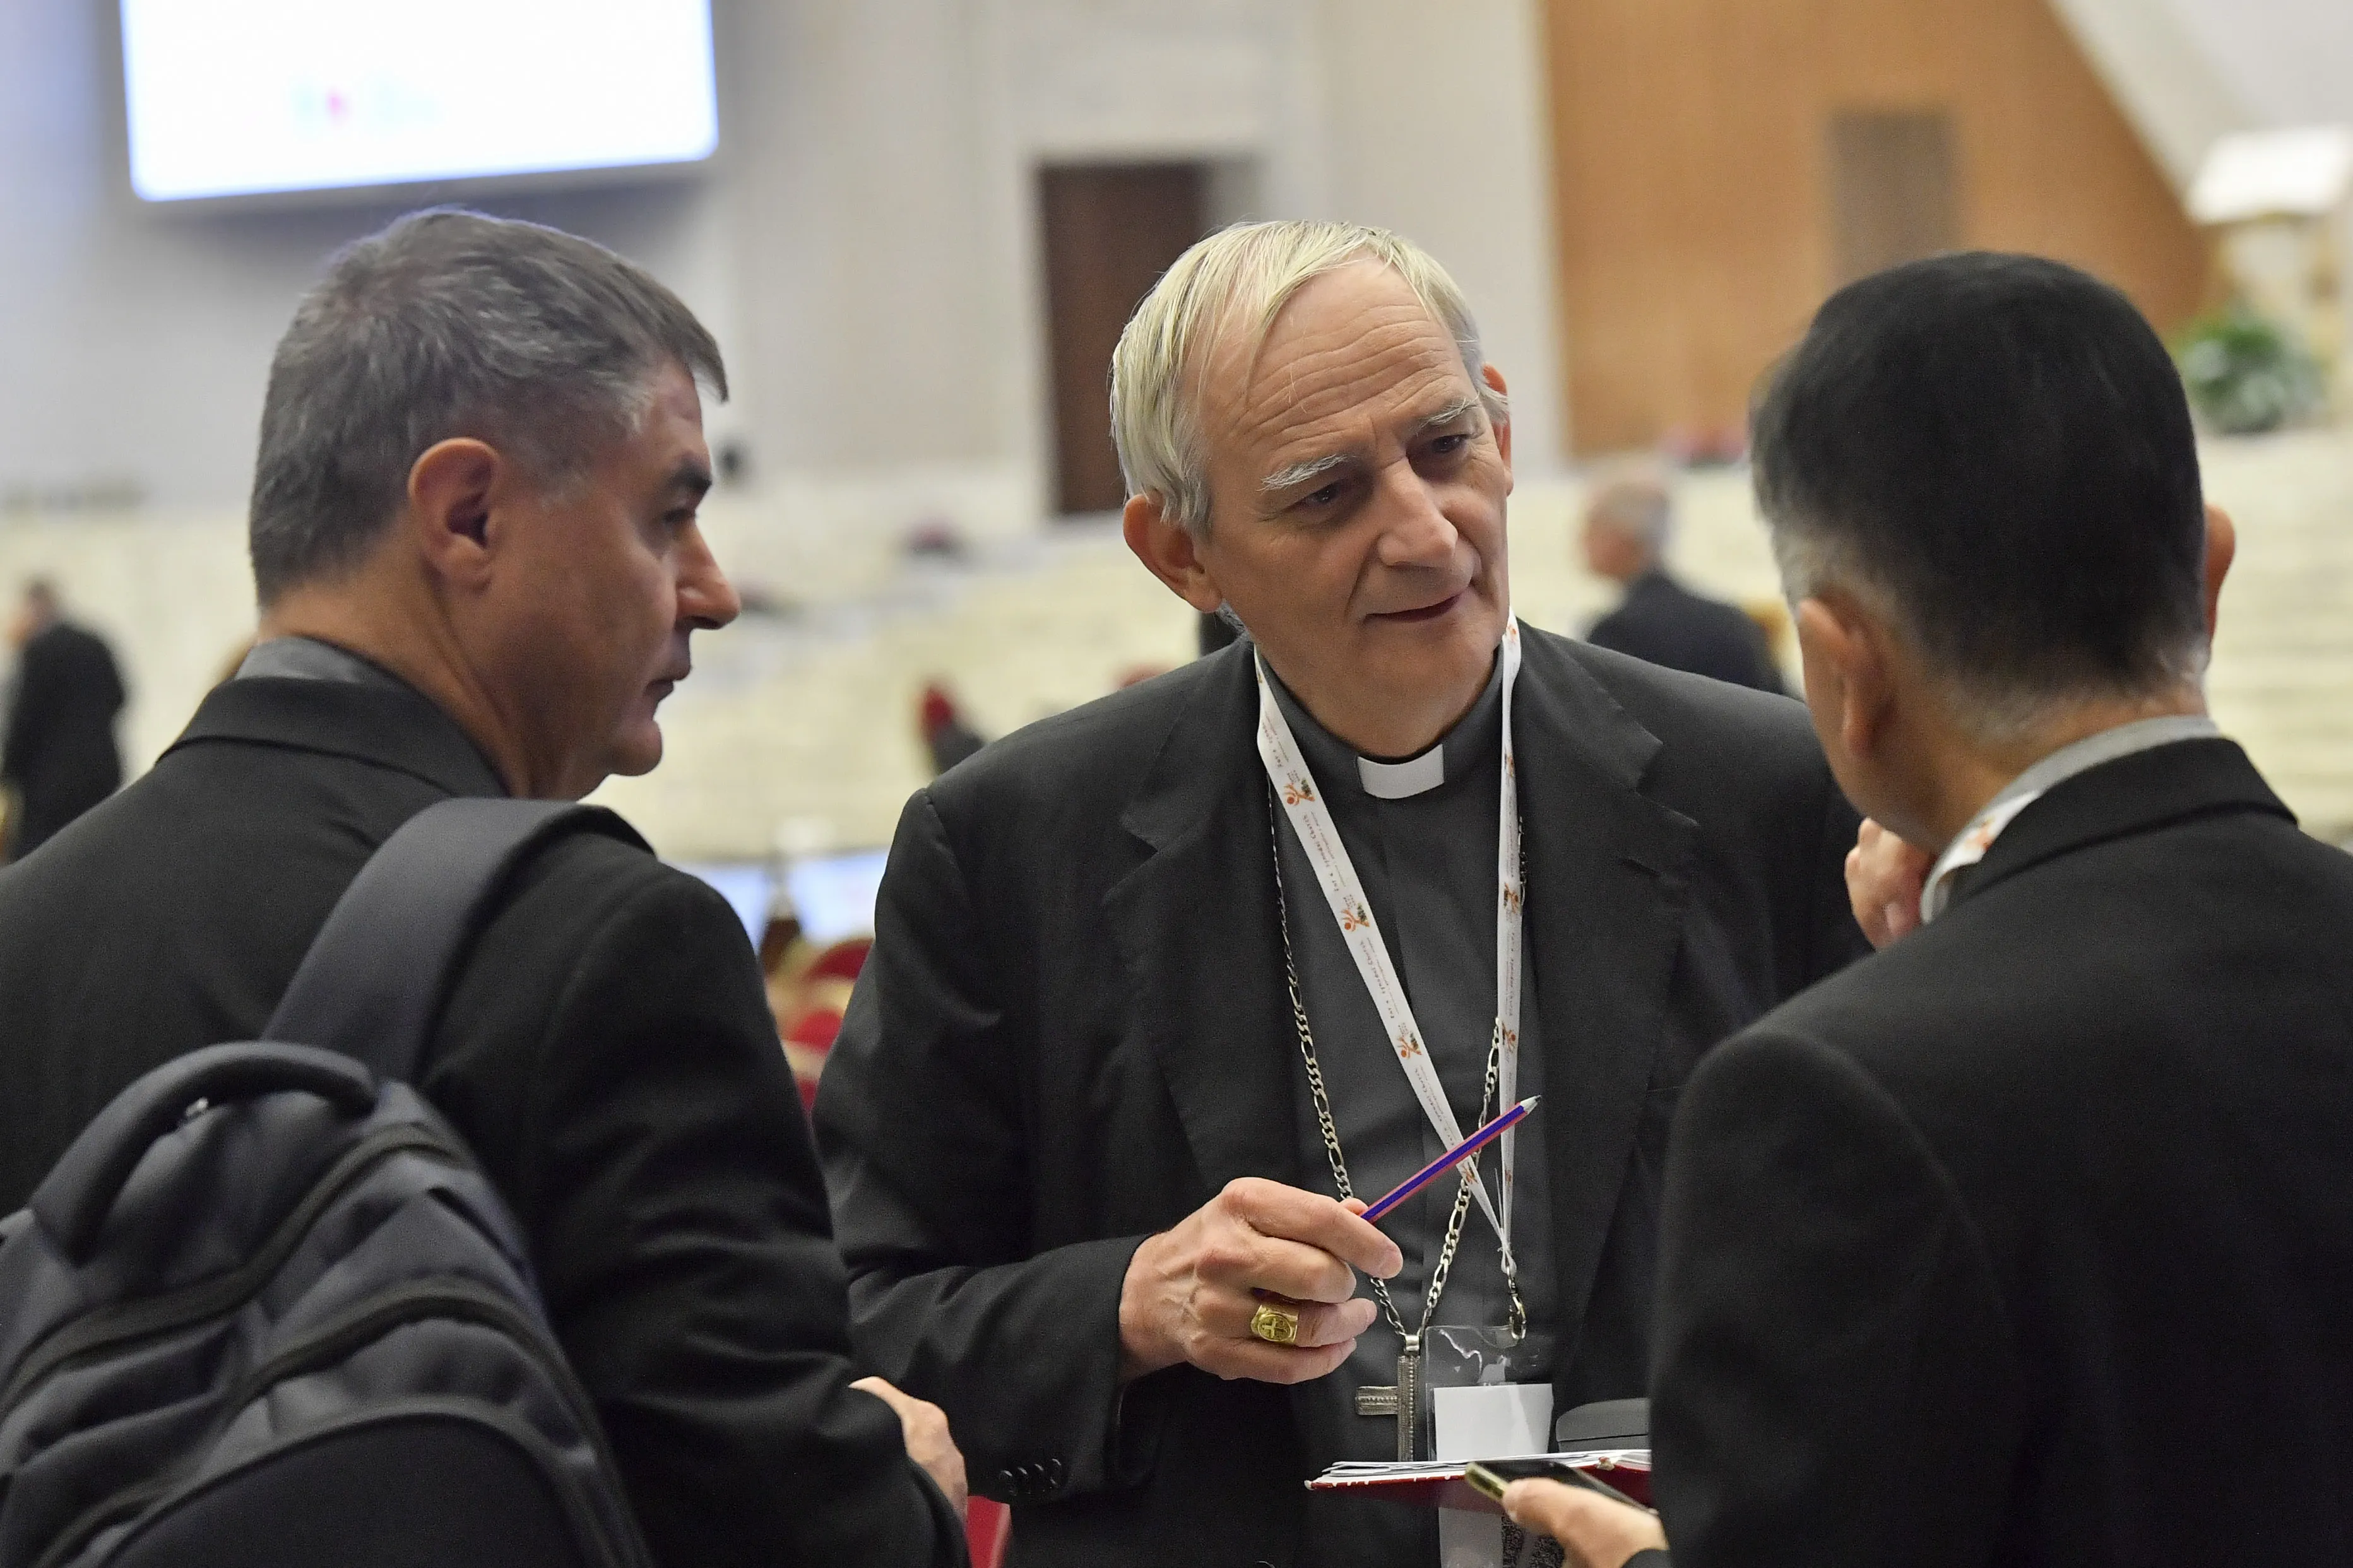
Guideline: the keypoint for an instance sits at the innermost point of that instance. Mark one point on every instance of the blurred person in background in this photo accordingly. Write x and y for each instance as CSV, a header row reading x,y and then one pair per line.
x,y
1660,620
59,757
477,551
2030,1240
947,738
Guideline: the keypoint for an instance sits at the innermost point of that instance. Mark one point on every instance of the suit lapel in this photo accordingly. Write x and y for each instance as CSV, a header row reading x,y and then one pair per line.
x,y
1195,925
1607,880
1607,873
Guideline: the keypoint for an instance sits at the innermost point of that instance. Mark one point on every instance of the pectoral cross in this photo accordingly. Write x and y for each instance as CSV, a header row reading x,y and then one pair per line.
x,y
1403,1401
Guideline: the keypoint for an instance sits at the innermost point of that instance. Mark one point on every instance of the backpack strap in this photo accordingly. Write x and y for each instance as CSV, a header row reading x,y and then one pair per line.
x,y
372,984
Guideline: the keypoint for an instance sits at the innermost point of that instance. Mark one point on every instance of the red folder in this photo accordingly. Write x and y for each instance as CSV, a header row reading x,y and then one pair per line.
x,y
1443,1486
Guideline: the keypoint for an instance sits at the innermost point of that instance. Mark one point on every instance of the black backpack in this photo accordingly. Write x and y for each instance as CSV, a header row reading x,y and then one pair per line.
x,y
266,1311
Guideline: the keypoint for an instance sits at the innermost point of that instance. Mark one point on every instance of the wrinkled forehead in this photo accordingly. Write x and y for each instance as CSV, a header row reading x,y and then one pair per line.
x,y
1352,349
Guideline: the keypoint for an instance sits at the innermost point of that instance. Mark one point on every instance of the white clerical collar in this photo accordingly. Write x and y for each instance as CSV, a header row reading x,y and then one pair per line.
x,y
1471,742
1399,781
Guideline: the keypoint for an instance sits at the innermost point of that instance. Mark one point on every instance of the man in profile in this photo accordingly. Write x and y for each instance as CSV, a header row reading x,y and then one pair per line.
x,y
2030,1240
476,548
1625,541
59,756
1123,1051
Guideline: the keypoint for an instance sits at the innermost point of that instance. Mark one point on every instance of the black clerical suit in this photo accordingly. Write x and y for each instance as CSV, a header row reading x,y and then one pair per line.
x,y
606,1052
59,752
1072,1032
1665,623
2030,1240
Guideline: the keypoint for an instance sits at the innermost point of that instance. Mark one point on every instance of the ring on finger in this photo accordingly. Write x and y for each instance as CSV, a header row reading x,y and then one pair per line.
x,y
1275,1323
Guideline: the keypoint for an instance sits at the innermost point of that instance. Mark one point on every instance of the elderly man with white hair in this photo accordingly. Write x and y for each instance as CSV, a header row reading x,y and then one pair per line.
x,y
1165,988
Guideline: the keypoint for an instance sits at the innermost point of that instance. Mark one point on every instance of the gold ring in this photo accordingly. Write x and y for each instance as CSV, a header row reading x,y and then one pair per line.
x,y
1277,1325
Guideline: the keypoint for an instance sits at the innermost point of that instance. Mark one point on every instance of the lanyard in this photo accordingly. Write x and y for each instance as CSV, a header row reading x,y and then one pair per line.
x,y
1970,844
1336,874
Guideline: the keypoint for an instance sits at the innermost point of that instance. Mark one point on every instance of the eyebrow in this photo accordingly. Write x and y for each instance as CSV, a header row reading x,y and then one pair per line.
x,y
690,478
1316,468
1300,473
1447,414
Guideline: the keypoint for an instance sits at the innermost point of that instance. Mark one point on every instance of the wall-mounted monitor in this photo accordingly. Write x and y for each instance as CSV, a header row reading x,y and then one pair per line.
x,y
244,98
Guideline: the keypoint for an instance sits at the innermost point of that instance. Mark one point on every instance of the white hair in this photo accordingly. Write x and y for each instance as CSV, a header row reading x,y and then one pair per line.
x,y
1245,274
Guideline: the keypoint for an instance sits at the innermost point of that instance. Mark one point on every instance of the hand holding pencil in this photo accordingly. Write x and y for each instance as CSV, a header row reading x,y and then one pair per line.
x,y
1260,1282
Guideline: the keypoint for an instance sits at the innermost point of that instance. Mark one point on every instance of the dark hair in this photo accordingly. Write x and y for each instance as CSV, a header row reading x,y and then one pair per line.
x,y
2000,445
450,323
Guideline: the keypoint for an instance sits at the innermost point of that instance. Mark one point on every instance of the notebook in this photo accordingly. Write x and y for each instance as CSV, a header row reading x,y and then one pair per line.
x,y
1441,1485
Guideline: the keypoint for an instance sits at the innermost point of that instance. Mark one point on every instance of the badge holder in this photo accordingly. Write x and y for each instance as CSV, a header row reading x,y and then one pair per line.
x,y
1488,1396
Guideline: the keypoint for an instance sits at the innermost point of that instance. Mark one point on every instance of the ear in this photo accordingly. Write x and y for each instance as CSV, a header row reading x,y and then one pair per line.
x,y
2222,547
1849,673
1494,379
1169,552
451,491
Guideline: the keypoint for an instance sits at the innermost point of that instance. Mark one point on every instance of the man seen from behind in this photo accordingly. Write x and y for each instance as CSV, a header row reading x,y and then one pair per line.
x,y
2030,1240
59,756
1625,541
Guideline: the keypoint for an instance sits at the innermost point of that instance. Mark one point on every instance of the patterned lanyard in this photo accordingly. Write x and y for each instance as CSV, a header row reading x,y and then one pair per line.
x,y
1336,874
1972,843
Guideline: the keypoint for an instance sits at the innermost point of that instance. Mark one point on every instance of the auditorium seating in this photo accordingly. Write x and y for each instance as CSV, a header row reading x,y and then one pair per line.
x,y
800,719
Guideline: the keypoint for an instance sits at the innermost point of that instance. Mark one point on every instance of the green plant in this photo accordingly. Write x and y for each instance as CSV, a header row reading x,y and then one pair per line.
x,y
2245,373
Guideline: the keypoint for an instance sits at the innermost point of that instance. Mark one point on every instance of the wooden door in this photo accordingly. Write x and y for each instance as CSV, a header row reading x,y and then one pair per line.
x,y
1892,194
1720,165
1111,230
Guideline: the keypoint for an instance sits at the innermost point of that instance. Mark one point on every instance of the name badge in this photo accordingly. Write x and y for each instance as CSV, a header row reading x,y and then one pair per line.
x,y
1490,1420
1496,1421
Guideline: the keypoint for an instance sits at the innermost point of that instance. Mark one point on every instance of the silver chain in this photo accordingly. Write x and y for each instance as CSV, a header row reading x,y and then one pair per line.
x,y
1323,1123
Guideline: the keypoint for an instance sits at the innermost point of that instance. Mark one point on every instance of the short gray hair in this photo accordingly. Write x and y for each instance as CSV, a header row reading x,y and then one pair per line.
x,y
1637,505
1247,273
450,323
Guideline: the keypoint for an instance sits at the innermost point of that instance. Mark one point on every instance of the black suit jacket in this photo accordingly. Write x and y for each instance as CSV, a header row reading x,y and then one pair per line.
x,y
1665,623
2030,1240
1071,1033
606,1052
59,752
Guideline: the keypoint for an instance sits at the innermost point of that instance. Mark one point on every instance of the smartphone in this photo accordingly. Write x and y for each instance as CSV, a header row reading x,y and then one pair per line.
x,y
1491,1476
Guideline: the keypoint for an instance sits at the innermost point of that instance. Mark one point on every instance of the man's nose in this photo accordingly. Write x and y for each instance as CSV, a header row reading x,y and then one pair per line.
x,y
706,600
1415,531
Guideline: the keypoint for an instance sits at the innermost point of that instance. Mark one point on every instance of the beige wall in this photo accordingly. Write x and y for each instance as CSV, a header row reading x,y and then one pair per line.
x,y
864,246
1442,132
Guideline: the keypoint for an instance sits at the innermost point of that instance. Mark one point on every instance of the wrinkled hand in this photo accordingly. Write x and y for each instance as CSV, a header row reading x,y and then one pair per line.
x,y
1595,1531
929,1444
1884,879
1191,1291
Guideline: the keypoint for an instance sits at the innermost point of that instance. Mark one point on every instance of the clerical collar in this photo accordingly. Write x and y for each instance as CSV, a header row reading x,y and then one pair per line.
x,y
1469,746
310,658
